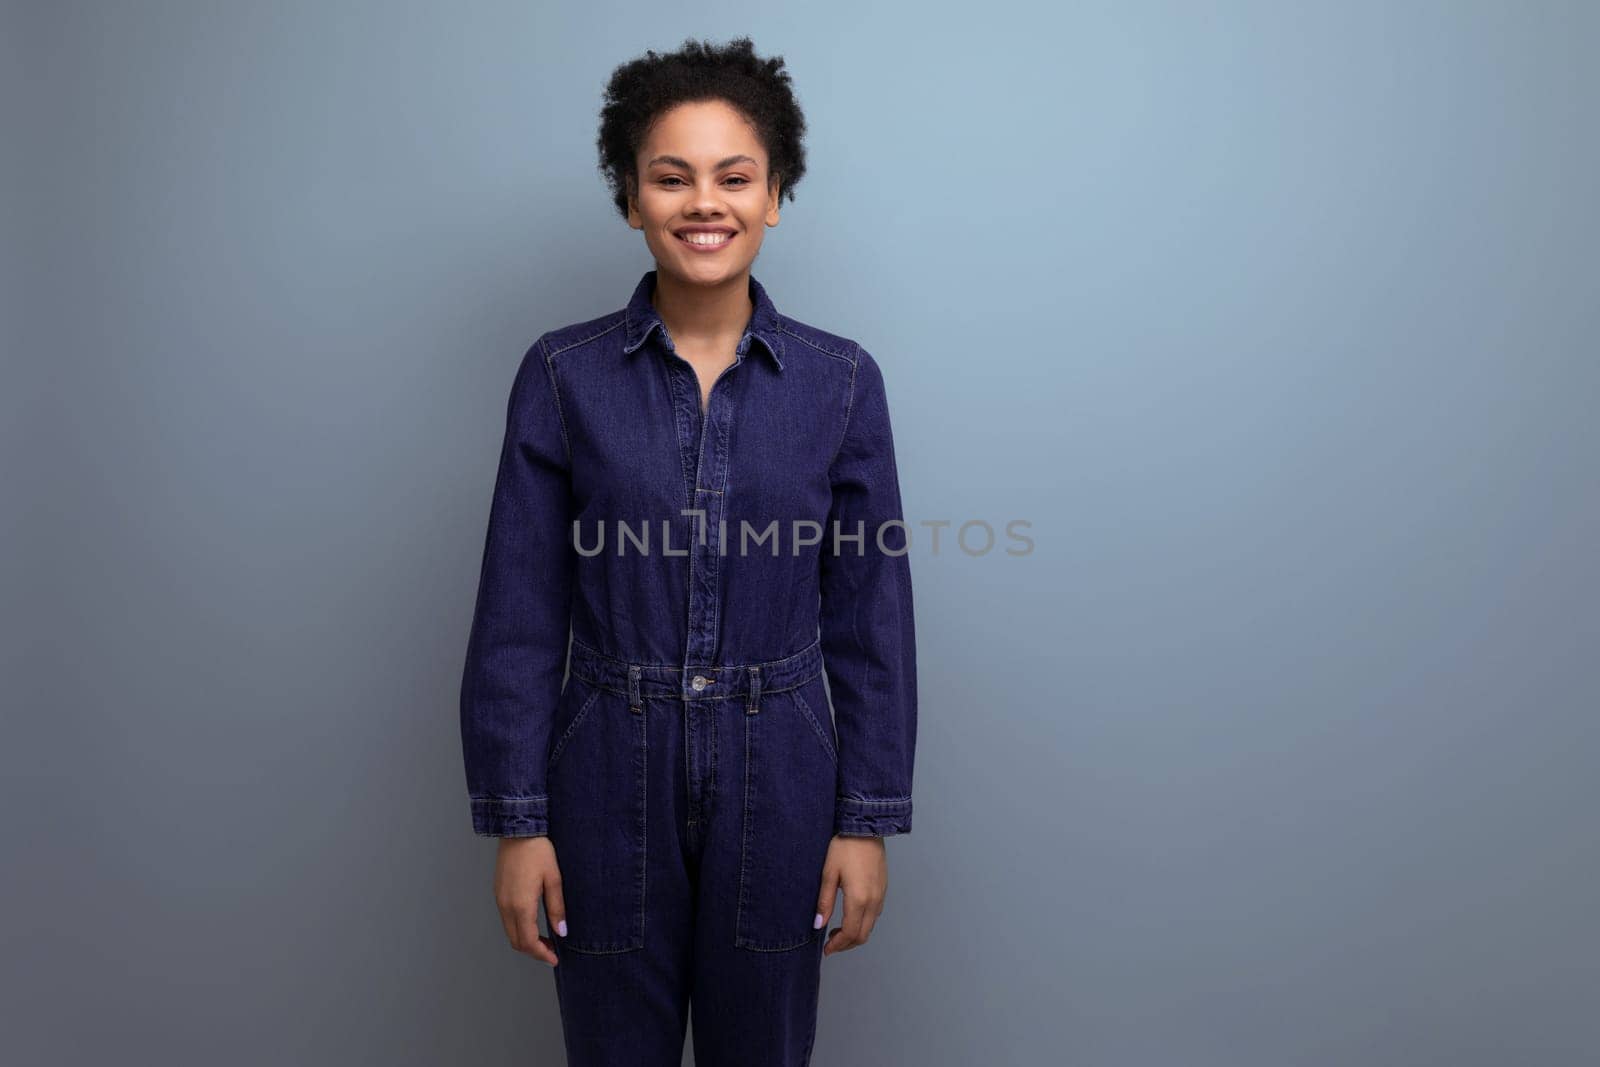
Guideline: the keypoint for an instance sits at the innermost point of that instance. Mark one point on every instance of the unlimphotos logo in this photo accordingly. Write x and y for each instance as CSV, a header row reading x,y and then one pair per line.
x,y
891,537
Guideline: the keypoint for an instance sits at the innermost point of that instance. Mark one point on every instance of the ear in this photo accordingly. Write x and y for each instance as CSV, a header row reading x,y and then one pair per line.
x,y
774,197
631,190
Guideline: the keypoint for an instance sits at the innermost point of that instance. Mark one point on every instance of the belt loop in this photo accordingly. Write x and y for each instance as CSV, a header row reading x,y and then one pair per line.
x,y
755,691
635,700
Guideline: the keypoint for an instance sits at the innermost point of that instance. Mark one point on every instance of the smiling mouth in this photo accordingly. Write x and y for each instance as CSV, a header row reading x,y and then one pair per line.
x,y
705,240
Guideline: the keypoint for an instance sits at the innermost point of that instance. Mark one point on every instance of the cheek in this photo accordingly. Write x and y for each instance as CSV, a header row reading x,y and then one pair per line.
x,y
657,239
651,210
754,231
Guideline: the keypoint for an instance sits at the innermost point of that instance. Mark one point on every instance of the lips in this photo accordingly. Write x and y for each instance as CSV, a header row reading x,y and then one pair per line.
x,y
710,240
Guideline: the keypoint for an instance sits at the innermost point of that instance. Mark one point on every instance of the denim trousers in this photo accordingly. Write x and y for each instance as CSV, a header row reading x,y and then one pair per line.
x,y
691,823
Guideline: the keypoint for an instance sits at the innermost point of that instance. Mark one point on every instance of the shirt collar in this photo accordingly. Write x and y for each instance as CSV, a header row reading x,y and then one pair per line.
x,y
764,325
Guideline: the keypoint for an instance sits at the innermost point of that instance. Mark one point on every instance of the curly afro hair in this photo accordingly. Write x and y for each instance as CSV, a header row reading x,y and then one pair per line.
x,y
643,88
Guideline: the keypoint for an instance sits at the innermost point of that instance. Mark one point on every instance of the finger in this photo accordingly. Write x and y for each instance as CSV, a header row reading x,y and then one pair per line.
x,y
555,904
529,940
855,918
543,949
826,898
508,922
869,919
846,935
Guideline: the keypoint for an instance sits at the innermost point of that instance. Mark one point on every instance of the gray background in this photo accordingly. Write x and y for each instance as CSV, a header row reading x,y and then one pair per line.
x,y
1276,321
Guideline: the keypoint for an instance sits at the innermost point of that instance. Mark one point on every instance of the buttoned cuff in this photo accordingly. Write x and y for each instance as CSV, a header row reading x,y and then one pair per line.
x,y
869,817
511,816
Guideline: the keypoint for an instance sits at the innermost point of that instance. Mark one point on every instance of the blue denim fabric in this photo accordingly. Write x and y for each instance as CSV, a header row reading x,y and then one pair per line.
x,y
740,689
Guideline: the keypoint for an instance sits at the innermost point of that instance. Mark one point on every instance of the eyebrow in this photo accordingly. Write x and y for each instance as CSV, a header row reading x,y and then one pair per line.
x,y
679,161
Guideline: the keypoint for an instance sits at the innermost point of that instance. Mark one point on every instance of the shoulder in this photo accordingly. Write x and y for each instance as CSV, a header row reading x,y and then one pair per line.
x,y
803,340
536,374
860,372
575,336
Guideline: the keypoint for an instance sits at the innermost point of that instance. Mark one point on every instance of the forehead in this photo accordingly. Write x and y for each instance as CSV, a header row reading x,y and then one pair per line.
x,y
702,132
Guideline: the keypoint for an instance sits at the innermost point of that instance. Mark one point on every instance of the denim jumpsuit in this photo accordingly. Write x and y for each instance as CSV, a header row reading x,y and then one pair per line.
x,y
740,680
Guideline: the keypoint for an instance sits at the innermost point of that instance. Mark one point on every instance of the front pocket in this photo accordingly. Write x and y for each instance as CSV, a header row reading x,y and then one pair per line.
x,y
790,779
566,727
596,783
815,710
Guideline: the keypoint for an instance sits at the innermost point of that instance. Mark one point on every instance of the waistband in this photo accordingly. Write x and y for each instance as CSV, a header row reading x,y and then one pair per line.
x,y
691,682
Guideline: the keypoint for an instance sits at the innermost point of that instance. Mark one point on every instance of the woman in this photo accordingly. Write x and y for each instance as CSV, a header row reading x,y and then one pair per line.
x,y
704,490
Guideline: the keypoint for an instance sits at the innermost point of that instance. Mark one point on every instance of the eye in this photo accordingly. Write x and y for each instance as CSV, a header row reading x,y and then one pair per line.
x,y
673,179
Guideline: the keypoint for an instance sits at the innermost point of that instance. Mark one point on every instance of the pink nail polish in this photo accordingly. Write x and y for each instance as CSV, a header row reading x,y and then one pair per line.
x,y
817,922
561,928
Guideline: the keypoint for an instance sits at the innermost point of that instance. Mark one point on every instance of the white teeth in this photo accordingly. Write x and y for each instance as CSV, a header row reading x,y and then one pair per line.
x,y
707,238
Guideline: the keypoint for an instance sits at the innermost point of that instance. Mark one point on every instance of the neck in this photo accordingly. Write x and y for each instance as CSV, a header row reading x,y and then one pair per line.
x,y
697,314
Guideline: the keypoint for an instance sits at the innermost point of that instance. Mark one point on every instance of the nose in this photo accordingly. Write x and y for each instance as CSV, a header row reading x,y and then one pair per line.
x,y
707,201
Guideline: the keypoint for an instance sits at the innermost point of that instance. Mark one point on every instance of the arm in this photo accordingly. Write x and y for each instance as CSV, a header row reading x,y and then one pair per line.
x,y
517,649
867,633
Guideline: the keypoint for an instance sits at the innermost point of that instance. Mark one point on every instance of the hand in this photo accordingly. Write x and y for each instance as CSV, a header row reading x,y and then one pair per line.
x,y
859,866
526,870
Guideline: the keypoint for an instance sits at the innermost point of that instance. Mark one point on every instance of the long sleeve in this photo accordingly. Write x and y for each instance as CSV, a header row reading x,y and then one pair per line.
x,y
517,649
867,632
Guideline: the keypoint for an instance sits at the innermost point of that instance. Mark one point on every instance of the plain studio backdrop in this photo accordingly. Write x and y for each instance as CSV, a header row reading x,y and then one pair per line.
x,y
1276,321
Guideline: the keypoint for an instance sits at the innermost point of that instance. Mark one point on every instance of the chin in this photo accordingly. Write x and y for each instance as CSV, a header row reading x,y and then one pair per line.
x,y
711,273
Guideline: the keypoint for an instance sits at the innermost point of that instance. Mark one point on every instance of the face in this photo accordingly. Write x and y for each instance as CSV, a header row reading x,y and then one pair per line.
x,y
703,174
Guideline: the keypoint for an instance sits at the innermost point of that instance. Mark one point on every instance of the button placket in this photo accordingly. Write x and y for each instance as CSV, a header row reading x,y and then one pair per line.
x,y
705,563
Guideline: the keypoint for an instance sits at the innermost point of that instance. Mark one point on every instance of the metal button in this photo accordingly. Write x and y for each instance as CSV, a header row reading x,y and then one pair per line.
x,y
698,682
